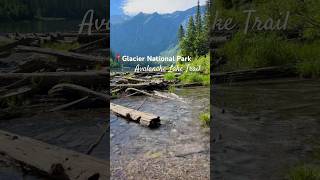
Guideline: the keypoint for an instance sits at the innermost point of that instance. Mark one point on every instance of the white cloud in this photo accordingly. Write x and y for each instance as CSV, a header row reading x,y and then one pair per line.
x,y
132,7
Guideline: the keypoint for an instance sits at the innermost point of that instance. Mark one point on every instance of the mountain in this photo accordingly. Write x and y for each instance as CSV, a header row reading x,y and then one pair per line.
x,y
118,19
148,34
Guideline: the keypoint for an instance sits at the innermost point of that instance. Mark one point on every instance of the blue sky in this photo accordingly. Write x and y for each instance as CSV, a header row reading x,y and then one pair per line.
x,y
132,7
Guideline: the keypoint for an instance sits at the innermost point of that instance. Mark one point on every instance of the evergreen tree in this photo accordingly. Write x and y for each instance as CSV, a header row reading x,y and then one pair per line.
x,y
187,44
198,20
181,33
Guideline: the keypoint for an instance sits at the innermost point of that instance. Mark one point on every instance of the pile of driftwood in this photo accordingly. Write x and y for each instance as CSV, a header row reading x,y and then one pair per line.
x,y
35,79
149,84
76,76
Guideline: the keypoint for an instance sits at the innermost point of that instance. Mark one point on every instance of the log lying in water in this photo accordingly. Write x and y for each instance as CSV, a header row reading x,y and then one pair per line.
x,y
48,79
68,57
254,74
89,98
145,119
146,86
101,43
52,161
70,105
75,90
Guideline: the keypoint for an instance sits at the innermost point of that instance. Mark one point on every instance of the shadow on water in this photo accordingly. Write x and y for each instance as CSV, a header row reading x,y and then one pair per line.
x,y
266,129
180,135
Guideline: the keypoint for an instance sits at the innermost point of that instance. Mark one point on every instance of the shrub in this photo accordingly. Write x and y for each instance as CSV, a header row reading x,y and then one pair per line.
x,y
170,76
304,173
205,119
253,51
309,60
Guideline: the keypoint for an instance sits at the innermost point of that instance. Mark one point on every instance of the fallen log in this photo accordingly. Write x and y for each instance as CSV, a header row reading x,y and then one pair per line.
x,y
254,74
72,90
85,38
70,105
146,86
14,96
35,63
135,80
47,80
14,44
51,161
100,43
68,57
145,119
156,94
140,92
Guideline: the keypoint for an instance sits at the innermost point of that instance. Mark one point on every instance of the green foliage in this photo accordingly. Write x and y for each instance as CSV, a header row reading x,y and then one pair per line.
x,y
261,49
258,50
181,33
304,172
203,76
195,42
205,119
194,77
170,76
172,89
198,20
309,61
114,64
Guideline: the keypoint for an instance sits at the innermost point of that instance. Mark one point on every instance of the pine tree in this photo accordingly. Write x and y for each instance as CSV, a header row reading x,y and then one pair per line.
x,y
181,33
187,44
198,20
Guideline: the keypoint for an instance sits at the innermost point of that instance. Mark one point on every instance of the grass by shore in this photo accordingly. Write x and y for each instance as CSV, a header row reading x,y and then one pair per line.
x,y
263,50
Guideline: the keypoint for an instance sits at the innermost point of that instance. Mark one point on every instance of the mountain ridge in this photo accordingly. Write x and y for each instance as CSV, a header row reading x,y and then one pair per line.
x,y
148,34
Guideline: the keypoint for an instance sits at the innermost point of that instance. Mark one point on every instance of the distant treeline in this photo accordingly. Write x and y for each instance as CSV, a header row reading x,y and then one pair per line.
x,y
13,10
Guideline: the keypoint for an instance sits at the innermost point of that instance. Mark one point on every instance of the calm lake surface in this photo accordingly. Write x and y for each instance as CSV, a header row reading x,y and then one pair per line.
x,y
39,26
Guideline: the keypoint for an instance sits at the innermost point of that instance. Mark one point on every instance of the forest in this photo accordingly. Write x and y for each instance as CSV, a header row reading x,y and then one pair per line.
x,y
297,45
15,10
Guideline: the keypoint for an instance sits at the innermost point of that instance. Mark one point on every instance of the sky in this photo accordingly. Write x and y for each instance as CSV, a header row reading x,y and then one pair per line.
x,y
133,7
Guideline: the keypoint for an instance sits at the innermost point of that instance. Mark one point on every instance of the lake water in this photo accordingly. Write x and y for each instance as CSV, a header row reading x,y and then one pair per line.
x,y
178,149
40,26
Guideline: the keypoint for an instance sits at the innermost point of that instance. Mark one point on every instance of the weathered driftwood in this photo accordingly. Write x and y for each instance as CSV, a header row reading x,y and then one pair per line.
x,y
72,90
68,57
146,86
100,43
52,161
140,92
15,84
15,95
14,44
48,79
254,74
135,80
85,38
156,94
170,96
145,119
36,63
70,105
